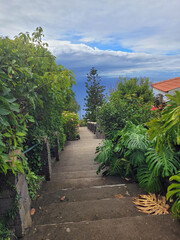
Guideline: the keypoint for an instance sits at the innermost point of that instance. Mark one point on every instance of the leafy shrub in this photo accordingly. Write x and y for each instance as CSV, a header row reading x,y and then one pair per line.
x,y
71,123
112,116
5,232
138,87
130,153
166,129
124,152
82,123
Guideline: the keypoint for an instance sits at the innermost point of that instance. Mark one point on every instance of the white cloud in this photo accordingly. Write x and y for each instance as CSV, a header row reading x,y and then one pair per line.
x,y
143,26
111,63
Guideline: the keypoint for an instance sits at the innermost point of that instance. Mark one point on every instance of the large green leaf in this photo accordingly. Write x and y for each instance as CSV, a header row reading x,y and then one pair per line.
x,y
163,164
148,180
4,111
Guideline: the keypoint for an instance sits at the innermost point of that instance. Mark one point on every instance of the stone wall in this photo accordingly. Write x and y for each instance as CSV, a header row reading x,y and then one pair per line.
x,y
8,195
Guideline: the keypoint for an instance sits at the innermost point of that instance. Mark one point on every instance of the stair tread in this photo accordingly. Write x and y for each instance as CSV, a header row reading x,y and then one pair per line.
x,y
86,210
88,193
128,228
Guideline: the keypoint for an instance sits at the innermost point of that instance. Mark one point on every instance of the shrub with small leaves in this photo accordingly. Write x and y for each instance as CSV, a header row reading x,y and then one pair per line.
x,y
71,123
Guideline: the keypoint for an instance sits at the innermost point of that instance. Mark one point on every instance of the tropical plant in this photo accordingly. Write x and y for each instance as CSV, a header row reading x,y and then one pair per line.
x,y
166,129
130,153
152,204
173,192
124,152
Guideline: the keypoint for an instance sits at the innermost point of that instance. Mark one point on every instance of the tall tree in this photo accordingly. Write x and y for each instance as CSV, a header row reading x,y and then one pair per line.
x,y
95,94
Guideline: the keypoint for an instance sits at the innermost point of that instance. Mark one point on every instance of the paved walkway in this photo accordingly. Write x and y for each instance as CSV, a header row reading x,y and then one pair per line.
x,y
90,210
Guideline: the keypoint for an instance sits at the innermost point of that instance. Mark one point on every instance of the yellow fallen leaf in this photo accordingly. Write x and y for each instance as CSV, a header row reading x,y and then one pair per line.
x,y
63,198
151,204
119,196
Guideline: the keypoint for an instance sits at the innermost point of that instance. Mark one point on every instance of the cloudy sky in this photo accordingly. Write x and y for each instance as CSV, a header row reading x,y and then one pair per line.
x,y
118,37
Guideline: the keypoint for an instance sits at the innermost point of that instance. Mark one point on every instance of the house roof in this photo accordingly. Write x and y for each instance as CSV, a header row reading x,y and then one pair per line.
x,y
167,85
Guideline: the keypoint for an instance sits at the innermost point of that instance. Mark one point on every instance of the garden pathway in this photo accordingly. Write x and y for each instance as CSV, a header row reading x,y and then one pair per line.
x,y
90,210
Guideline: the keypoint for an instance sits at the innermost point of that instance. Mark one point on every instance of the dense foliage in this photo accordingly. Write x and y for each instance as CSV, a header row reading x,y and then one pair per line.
x,y
148,153
131,154
34,92
95,94
130,101
138,87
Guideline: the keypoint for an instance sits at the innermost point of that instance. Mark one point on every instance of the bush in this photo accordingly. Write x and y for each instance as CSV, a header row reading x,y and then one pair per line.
x,y
130,153
112,116
71,123
82,123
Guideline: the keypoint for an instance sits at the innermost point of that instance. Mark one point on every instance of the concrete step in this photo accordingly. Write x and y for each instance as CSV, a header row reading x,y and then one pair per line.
x,y
88,194
58,184
128,228
79,163
85,211
76,174
74,167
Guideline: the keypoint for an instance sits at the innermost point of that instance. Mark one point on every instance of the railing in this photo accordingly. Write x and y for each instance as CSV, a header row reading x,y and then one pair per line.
x,y
93,127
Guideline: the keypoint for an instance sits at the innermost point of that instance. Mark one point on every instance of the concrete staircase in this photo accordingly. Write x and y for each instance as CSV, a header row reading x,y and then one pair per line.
x,y
90,209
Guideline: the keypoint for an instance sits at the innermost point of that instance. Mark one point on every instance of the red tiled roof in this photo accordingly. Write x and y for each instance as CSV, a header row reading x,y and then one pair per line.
x,y
167,85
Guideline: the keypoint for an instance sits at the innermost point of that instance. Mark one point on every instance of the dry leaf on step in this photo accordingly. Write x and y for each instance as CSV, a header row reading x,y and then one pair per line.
x,y
63,198
128,179
151,204
118,196
33,210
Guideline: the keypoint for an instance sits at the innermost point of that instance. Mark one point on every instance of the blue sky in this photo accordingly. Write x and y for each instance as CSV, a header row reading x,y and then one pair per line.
x,y
118,37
